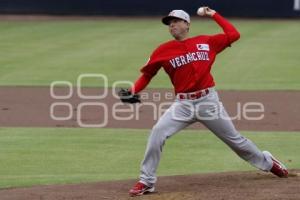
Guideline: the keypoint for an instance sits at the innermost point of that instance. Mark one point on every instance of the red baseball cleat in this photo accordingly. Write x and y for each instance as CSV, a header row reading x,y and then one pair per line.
x,y
140,189
278,168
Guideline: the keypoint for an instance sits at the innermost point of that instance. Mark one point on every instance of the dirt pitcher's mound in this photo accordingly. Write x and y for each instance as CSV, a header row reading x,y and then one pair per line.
x,y
231,186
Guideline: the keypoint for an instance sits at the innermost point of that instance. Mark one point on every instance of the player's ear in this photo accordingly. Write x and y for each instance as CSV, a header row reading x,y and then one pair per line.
x,y
188,26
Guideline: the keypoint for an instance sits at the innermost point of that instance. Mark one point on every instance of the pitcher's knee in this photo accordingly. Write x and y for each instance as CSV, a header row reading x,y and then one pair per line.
x,y
158,136
159,127
239,143
233,140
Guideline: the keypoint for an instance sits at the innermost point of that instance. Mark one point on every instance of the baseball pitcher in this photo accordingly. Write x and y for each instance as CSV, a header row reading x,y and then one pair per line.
x,y
188,61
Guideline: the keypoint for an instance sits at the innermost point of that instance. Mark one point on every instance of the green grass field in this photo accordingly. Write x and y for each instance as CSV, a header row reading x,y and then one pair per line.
x,y
33,156
35,53
39,52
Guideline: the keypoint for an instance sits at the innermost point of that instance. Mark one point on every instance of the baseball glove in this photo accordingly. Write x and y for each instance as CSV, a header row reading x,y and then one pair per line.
x,y
126,96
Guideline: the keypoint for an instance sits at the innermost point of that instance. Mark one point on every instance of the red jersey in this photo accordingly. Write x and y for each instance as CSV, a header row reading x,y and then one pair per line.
x,y
188,63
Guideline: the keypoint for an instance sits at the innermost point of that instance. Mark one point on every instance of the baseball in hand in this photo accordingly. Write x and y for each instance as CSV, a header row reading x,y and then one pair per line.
x,y
201,11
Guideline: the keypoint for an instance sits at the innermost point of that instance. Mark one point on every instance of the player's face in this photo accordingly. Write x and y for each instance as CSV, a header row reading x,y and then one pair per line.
x,y
178,29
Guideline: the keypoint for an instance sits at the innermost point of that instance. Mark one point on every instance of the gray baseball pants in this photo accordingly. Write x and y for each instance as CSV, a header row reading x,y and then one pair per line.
x,y
209,111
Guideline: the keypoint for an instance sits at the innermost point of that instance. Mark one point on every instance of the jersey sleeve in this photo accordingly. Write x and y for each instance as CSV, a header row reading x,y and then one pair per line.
x,y
149,70
140,84
220,41
153,65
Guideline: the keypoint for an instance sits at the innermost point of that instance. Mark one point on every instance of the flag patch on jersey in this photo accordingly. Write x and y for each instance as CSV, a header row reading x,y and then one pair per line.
x,y
203,47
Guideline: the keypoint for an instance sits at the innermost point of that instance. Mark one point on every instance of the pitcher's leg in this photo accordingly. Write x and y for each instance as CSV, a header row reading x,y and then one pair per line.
x,y
164,128
223,128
